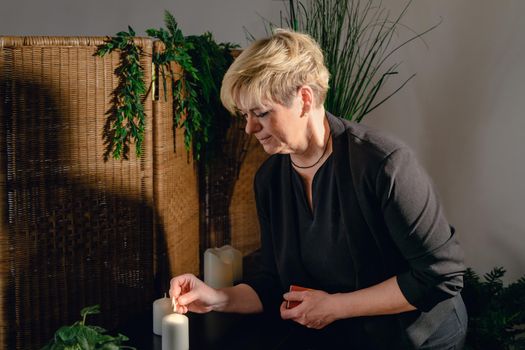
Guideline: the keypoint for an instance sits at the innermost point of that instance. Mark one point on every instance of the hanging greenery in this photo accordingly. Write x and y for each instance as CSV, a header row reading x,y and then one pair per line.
x,y
212,60
126,120
183,82
195,88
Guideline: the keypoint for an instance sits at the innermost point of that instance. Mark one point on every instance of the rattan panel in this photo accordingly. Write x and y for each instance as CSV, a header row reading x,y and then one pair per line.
x,y
176,193
74,230
238,223
243,213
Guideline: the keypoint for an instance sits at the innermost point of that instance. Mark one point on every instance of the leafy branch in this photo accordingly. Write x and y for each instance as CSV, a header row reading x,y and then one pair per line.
x,y
80,336
127,120
212,60
195,87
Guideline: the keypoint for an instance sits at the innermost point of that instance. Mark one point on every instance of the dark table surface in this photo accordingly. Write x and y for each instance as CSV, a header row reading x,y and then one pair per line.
x,y
212,331
215,330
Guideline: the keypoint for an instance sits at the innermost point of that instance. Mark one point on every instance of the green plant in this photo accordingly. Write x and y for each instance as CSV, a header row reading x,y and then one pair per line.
x,y
357,38
183,82
80,336
195,89
197,107
496,313
126,119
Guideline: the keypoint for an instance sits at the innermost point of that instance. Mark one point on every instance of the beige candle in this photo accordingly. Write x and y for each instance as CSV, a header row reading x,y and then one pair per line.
x,y
228,253
222,266
161,308
175,332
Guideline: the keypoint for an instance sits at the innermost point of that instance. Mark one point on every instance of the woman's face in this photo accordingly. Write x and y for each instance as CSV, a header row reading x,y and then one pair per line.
x,y
279,128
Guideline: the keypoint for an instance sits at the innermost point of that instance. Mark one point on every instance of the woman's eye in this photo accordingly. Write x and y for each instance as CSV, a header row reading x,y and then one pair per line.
x,y
262,114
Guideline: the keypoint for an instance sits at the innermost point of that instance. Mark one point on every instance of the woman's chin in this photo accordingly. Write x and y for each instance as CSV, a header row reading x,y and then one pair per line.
x,y
270,148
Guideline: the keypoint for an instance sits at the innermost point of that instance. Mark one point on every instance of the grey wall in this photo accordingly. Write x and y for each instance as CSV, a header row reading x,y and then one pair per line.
x,y
225,18
463,114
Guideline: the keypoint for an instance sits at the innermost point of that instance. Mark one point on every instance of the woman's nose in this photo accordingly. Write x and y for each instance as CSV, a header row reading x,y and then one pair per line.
x,y
252,125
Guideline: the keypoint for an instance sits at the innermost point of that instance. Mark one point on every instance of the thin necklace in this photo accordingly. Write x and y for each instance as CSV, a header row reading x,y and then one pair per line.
x,y
318,160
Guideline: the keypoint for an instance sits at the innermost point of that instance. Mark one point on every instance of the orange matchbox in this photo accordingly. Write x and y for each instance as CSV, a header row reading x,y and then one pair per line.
x,y
294,288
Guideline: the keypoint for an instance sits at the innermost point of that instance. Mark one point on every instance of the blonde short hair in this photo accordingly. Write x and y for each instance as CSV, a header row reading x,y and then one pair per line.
x,y
271,70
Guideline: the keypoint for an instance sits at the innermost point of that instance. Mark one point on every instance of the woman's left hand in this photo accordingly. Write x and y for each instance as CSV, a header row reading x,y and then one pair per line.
x,y
316,308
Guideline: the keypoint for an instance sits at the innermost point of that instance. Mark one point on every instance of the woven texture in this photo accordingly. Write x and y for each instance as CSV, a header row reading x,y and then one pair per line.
x,y
176,192
74,230
245,232
217,183
243,213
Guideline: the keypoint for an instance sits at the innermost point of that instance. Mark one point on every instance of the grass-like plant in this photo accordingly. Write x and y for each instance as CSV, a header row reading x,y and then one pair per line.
x,y
358,38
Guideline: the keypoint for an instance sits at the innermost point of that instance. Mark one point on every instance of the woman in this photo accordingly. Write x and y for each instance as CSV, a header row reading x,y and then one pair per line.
x,y
344,211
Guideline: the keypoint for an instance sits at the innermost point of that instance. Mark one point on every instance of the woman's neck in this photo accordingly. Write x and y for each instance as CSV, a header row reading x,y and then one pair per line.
x,y
318,142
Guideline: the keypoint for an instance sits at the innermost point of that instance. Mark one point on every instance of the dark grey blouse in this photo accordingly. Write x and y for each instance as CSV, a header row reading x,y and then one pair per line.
x,y
322,239
390,222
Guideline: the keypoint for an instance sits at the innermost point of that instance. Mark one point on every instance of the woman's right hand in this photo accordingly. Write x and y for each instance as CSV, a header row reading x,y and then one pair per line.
x,y
191,294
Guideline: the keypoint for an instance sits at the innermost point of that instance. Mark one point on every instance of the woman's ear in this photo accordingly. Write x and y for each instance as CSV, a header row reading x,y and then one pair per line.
x,y
307,98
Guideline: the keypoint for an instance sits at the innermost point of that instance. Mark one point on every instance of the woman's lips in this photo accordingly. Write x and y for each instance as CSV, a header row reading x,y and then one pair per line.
x,y
265,140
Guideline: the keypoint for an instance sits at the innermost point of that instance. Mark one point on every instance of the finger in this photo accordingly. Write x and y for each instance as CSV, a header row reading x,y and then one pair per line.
x,y
287,314
316,325
175,286
180,284
294,296
319,325
182,309
188,298
179,309
282,308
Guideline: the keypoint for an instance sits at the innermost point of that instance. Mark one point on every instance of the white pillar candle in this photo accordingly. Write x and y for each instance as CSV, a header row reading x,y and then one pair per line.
x,y
222,266
235,256
175,332
161,308
218,272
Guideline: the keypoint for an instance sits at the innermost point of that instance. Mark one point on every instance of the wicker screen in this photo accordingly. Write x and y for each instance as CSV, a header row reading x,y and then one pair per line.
x,y
243,213
176,192
229,215
74,230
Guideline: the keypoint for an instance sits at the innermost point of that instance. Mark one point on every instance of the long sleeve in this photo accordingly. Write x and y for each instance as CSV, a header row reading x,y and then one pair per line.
x,y
417,225
266,282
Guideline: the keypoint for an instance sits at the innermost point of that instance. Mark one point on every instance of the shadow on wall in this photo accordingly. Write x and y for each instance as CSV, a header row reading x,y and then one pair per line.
x,y
73,238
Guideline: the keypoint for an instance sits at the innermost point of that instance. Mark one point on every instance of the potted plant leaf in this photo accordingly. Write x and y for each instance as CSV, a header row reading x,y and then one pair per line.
x,y
496,312
81,336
